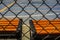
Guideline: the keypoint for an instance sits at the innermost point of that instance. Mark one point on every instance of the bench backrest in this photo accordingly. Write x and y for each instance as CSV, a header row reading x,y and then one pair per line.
x,y
9,25
46,27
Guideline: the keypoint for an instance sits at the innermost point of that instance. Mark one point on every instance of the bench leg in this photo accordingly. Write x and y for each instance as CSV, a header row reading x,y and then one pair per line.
x,y
19,36
19,39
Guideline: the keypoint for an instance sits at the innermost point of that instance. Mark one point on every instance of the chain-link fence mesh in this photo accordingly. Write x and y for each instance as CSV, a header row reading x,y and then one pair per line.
x,y
30,10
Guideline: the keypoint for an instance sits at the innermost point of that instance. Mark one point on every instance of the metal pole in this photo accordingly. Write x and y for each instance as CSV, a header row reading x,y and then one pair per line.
x,y
1,1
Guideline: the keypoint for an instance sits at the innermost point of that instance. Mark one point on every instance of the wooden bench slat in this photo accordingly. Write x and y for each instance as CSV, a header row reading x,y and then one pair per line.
x,y
9,26
38,24
47,31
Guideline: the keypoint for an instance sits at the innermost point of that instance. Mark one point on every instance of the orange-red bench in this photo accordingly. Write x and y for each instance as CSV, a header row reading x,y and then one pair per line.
x,y
11,28
45,27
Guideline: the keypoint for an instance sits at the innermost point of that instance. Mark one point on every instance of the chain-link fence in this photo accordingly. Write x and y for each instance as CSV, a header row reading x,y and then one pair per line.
x,y
30,10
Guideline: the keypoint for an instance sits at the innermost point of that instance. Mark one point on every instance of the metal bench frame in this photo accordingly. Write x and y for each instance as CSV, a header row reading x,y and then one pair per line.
x,y
35,36
10,35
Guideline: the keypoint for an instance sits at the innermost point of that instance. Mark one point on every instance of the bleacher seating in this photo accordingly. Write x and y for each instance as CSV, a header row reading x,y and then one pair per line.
x,y
42,28
11,28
